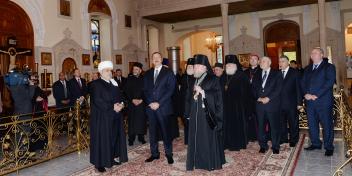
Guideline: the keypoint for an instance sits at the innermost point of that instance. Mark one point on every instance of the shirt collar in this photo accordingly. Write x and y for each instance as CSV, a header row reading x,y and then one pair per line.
x,y
286,70
158,68
267,71
108,81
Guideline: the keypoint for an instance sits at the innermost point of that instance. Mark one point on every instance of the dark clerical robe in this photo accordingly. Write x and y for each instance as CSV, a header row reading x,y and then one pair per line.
x,y
236,95
137,122
204,144
107,137
187,81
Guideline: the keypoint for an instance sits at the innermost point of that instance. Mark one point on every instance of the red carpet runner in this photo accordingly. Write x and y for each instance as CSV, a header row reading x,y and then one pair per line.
x,y
242,163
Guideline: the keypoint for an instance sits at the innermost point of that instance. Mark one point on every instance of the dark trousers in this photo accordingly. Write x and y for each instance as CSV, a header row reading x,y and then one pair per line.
x,y
323,115
264,116
185,124
132,137
290,117
159,125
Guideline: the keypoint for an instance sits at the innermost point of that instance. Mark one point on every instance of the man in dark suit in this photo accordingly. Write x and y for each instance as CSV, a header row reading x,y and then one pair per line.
x,y
61,92
120,79
159,86
317,86
291,100
77,87
266,90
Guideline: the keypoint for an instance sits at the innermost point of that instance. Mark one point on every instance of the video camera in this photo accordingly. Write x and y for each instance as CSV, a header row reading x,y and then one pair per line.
x,y
18,77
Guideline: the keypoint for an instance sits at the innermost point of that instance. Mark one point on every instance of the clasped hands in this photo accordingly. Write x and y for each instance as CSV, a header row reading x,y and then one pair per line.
x,y
154,106
264,100
118,107
310,97
137,102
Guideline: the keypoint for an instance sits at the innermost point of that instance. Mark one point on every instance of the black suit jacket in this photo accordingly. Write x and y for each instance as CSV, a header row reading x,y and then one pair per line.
x,y
291,94
76,91
161,91
121,83
59,93
272,90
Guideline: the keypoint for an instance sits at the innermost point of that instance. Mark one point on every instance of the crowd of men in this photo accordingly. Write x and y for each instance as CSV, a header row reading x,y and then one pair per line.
x,y
221,107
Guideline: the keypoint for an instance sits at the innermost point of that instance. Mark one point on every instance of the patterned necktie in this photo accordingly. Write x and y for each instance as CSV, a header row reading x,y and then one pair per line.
x,y
264,78
65,89
79,83
283,74
315,66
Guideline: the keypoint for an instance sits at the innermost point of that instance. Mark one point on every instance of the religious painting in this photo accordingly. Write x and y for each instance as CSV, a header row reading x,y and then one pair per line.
x,y
46,58
128,21
244,59
85,59
46,80
65,8
118,59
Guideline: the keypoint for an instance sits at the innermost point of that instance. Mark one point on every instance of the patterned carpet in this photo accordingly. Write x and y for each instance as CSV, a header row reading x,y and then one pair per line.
x,y
242,163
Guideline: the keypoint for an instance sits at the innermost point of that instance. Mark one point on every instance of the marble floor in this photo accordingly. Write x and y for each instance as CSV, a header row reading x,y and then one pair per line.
x,y
312,163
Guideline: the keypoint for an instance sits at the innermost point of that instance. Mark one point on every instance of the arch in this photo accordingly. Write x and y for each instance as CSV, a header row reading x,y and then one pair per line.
x,y
282,36
86,23
32,8
98,6
68,66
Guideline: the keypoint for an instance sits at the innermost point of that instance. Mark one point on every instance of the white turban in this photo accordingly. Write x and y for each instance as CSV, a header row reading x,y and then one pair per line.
x,y
104,65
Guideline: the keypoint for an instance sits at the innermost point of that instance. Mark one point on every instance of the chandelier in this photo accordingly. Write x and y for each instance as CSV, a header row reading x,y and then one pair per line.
x,y
213,42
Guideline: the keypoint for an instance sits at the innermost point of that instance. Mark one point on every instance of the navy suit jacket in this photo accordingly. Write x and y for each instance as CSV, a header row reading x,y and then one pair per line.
x,y
59,93
272,90
319,82
76,91
291,95
160,92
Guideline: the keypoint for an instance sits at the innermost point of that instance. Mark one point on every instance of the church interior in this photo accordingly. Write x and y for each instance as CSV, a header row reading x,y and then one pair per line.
x,y
49,37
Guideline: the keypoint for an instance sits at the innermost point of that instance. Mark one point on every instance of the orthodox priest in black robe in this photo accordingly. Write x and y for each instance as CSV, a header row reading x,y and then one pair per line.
x,y
107,137
253,69
137,120
204,146
187,81
236,93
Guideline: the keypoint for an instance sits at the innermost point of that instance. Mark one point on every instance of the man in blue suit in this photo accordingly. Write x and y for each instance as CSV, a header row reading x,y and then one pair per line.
x,y
267,87
317,86
159,86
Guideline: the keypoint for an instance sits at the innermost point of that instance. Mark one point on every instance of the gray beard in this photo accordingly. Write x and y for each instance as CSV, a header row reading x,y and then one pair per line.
x,y
198,75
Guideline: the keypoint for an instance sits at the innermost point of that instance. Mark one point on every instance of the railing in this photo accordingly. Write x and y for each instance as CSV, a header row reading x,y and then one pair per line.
x,y
30,139
337,113
346,121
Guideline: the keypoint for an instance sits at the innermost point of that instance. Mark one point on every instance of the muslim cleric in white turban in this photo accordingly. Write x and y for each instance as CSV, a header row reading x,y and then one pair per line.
x,y
107,137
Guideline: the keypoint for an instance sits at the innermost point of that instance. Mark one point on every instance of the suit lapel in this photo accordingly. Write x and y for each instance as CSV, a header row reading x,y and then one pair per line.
x,y
269,78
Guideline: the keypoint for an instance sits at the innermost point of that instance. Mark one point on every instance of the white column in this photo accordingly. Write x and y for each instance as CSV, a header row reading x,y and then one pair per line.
x,y
322,24
225,27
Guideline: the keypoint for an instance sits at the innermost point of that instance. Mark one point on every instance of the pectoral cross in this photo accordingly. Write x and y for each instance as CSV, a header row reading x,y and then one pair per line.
x,y
13,53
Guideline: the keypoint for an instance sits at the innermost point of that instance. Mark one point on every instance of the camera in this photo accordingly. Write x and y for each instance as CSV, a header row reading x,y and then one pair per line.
x,y
18,77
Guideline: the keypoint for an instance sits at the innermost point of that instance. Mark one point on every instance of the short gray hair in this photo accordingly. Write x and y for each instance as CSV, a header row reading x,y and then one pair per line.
x,y
284,57
319,49
266,57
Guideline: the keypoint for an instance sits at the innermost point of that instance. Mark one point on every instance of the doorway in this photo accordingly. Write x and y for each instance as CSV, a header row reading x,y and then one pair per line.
x,y
68,66
282,38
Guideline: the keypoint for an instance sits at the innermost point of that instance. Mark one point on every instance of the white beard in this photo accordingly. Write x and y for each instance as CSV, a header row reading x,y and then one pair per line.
x,y
190,72
198,75
230,71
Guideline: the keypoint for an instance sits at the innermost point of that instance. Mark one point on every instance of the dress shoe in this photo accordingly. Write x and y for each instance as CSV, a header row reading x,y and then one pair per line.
x,y
116,163
293,144
170,160
130,143
142,141
262,150
329,152
101,169
152,158
276,151
312,148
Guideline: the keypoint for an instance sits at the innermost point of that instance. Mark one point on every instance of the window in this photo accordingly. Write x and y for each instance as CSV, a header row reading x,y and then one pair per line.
x,y
95,40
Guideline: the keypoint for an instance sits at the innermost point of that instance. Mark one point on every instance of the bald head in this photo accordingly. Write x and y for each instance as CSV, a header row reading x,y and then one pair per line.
x,y
62,76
